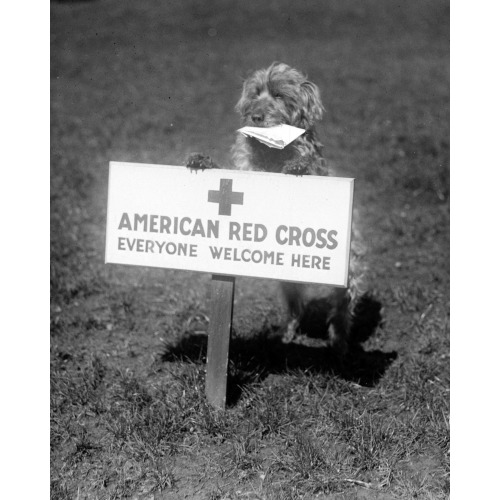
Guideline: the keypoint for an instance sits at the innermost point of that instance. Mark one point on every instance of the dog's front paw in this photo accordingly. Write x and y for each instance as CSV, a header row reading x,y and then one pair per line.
x,y
298,166
198,161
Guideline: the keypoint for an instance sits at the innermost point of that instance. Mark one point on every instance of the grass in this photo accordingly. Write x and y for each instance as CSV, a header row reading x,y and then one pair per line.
x,y
146,82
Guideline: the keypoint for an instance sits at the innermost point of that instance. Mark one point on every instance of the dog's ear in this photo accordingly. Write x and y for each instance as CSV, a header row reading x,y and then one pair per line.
x,y
240,105
243,102
312,104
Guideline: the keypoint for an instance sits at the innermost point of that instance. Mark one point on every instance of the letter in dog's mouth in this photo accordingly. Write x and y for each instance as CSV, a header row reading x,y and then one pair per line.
x,y
276,137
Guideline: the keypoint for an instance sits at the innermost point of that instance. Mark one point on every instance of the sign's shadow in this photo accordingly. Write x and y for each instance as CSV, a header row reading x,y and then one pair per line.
x,y
253,358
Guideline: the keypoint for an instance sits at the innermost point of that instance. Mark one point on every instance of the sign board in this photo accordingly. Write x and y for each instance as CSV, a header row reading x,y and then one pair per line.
x,y
230,222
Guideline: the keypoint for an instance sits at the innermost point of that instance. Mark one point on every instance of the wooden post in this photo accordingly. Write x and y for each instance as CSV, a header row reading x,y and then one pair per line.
x,y
219,333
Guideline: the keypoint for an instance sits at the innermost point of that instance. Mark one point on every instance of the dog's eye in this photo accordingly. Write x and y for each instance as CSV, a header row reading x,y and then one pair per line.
x,y
277,95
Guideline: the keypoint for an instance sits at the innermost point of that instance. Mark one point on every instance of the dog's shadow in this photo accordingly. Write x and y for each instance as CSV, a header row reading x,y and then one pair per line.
x,y
253,358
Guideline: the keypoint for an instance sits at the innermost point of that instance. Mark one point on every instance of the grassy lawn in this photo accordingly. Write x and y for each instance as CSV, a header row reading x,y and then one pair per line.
x,y
153,81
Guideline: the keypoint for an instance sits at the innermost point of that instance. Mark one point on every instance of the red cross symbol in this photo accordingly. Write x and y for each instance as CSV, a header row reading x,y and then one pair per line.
x,y
225,197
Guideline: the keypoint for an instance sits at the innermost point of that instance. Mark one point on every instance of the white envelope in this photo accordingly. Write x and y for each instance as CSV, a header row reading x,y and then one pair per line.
x,y
278,136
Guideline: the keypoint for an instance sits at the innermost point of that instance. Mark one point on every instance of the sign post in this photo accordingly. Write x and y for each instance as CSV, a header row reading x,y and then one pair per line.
x,y
229,223
219,336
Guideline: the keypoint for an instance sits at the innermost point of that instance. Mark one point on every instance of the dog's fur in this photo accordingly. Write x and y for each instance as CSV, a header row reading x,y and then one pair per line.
x,y
283,95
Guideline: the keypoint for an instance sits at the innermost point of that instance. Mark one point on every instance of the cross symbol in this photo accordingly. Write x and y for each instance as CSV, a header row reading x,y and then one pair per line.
x,y
225,197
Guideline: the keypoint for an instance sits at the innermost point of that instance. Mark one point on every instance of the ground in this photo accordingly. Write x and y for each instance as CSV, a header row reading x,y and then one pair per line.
x,y
153,81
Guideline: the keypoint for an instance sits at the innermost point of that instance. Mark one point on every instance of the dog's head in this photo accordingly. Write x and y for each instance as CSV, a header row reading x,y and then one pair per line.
x,y
279,94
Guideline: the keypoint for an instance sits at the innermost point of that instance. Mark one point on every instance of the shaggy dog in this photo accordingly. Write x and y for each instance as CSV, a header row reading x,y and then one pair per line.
x,y
283,95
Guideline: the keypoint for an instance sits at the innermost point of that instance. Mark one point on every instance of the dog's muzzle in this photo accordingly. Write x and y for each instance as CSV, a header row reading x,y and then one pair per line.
x,y
258,118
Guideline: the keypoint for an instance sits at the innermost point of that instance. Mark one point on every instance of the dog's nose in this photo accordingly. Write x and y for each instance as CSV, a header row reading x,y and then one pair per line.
x,y
258,117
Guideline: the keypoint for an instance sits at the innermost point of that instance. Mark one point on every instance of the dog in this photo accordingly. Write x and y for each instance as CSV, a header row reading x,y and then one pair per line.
x,y
278,95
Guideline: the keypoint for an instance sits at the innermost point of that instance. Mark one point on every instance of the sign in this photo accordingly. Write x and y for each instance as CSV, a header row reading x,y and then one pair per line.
x,y
230,222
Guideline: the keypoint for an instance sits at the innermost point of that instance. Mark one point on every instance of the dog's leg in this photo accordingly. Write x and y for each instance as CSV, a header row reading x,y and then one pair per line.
x,y
339,320
198,161
294,297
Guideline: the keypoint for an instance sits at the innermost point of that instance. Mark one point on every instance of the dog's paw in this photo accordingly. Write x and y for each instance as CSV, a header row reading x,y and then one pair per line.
x,y
198,161
339,329
337,340
291,332
298,166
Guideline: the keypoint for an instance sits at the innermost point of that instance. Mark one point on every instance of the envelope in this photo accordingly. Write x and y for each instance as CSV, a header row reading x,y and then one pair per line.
x,y
278,136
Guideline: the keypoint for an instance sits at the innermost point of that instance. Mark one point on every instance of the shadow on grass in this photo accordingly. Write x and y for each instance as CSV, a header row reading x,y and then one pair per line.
x,y
253,358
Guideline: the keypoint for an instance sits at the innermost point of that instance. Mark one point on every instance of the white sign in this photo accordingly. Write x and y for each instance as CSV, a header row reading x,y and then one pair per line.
x,y
230,222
